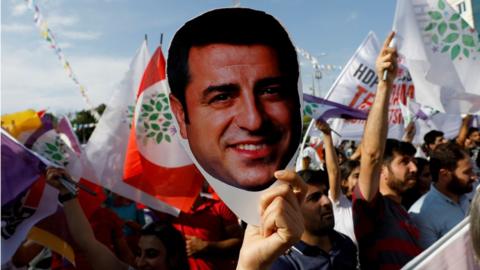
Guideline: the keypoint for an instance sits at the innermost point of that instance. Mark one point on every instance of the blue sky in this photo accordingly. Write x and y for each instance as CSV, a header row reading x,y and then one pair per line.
x,y
99,38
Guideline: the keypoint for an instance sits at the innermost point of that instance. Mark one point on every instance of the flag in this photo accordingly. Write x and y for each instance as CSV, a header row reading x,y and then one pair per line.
x,y
356,87
107,146
319,108
26,198
442,53
21,124
156,162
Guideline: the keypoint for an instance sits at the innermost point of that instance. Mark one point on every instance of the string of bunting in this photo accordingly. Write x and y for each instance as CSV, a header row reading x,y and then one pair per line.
x,y
314,61
47,34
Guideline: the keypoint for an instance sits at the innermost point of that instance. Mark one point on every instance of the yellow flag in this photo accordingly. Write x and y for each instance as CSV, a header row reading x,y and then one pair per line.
x,y
21,124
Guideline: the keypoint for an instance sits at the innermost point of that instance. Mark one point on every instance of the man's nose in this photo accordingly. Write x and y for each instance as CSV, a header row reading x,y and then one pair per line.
x,y
412,167
250,113
325,201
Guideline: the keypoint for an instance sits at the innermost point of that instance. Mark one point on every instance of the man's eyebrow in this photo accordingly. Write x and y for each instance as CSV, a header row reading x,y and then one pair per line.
x,y
223,88
270,80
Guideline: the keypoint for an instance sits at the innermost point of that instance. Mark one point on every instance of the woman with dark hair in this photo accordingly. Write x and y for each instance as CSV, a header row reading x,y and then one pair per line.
x,y
349,171
160,246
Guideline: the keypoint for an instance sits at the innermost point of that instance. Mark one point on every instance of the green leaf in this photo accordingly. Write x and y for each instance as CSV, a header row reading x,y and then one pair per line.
x,y
308,110
464,24
153,117
57,157
155,127
159,137
453,27
165,100
145,124
166,124
161,95
435,15
445,48
151,134
164,129
435,38
166,108
441,5
466,52
455,17
147,108
468,41
144,114
152,102
167,138
430,26
168,116
48,152
451,37
158,106
455,52
51,147
442,28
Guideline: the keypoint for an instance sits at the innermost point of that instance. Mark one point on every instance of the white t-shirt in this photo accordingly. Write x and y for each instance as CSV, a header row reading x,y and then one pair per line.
x,y
342,211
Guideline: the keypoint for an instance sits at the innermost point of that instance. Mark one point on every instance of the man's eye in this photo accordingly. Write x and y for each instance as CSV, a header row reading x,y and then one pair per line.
x,y
219,98
273,90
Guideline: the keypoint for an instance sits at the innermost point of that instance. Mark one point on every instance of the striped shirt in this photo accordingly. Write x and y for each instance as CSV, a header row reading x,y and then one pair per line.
x,y
387,239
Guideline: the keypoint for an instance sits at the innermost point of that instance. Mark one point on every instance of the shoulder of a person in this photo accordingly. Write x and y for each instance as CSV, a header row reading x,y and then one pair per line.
x,y
283,262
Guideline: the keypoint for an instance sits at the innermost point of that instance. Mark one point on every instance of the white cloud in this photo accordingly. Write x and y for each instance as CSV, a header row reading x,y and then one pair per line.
x,y
351,17
78,35
17,28
36,79
60,21
19,9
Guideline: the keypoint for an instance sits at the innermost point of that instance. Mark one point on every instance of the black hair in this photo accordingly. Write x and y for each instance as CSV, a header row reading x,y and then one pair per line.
x,y
314,177
235,26
421,163
430,136
445,156
471,130
347,167
393,146
173,241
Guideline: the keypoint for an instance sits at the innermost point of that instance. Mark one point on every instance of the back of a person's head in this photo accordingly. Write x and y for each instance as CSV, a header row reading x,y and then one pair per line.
x,y
475,224
445,156
429,137
234,26
314,177
393,146
173,241
421,163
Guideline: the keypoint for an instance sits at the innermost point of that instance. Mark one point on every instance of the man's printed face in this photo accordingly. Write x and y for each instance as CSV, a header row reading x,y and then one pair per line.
x,y
241,112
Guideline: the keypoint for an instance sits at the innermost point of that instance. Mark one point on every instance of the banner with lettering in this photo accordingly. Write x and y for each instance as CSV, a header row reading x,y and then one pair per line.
x,y
356,87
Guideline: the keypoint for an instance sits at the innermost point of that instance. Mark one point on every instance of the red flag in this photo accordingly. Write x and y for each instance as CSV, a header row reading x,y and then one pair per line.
x,y
156,162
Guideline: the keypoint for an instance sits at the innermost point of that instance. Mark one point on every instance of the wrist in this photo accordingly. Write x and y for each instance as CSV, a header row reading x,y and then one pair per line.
x,y
67,196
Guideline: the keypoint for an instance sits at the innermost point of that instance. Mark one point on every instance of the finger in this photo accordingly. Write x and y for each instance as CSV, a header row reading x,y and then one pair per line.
x,y
295,181
389,38
282,219
269,195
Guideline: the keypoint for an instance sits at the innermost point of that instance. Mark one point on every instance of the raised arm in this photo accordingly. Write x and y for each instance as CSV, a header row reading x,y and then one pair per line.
x,y
375,134
331,160
98,255
462,133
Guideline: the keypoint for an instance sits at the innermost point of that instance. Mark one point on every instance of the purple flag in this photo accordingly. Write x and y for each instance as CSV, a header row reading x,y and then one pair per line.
x,y
320,108
20,168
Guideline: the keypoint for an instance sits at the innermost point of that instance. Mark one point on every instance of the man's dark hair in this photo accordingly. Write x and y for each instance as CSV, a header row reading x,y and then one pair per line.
x,y
393,146
235,26
445,156
347,167
430,137
471,130
173,242
314,177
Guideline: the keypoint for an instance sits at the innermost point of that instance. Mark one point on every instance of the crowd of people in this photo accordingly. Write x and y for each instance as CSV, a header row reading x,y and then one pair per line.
x,y
376,205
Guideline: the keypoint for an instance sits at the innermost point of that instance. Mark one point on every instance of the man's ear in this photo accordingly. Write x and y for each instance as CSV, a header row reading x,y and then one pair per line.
x,y
179,113
444,173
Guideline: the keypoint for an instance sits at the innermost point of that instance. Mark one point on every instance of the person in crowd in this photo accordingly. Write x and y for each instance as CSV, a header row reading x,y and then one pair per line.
x,y
446,204
432,139
212,233
320,247
233,75
161,246
422,186
386,238
342,206
349,172
475,225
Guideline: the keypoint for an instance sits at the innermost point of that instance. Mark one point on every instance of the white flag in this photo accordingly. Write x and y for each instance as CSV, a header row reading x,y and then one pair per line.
x,y
107,146
442,53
